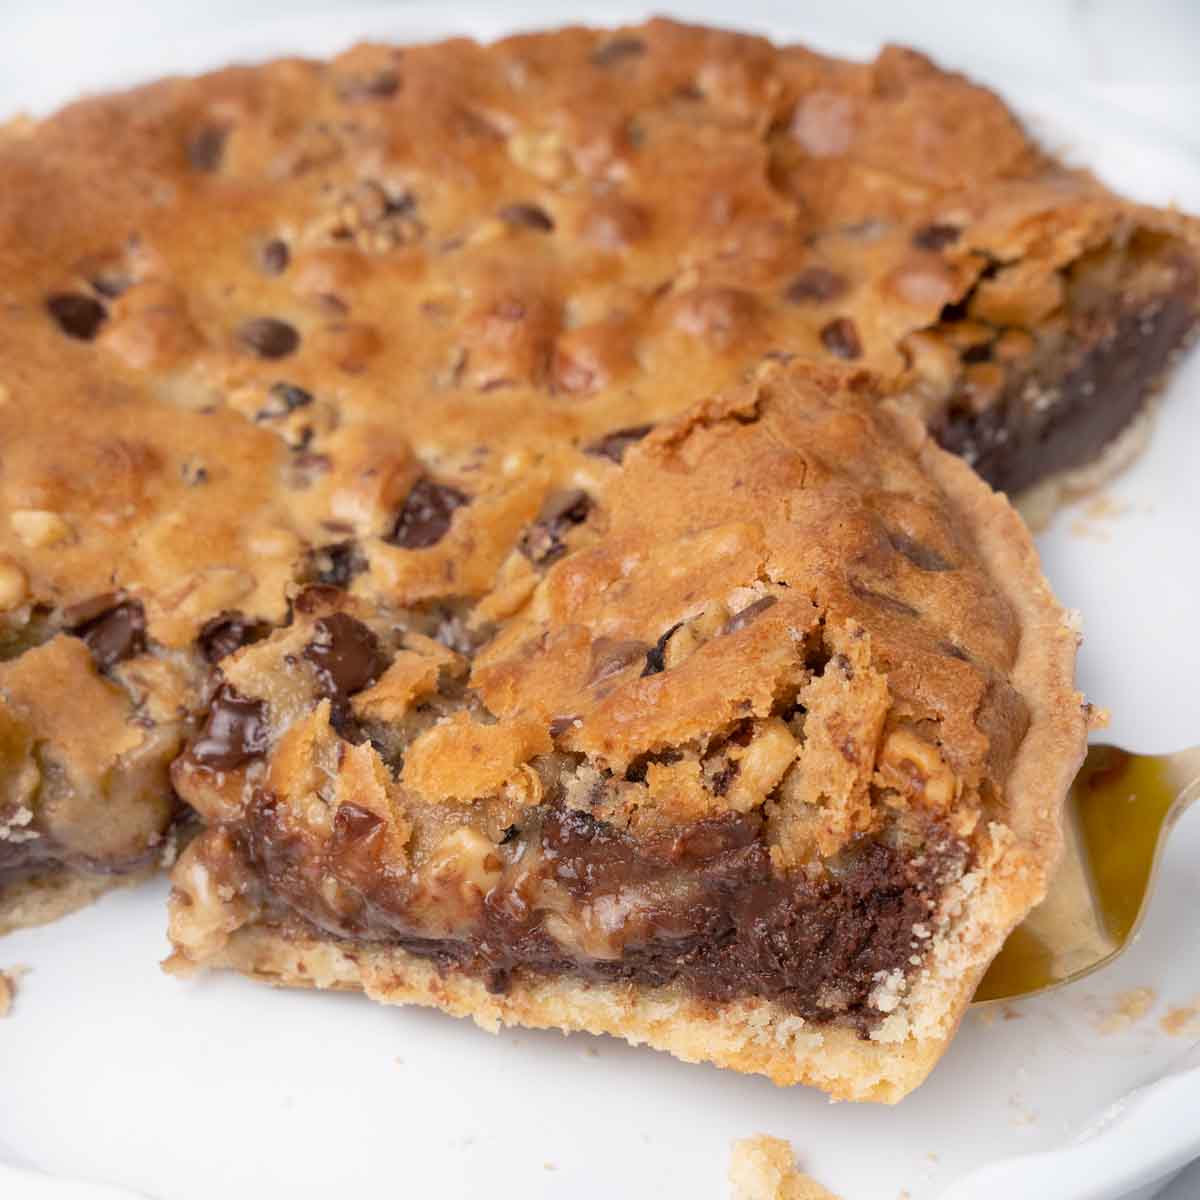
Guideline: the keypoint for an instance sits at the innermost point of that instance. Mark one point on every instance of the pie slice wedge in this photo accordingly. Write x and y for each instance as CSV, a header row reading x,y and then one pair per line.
x,y
760,770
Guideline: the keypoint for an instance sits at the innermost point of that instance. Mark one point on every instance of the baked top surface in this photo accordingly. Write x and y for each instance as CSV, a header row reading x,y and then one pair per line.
x,y
296,290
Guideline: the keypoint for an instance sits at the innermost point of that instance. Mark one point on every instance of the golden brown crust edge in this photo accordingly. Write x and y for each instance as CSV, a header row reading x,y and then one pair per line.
x,y
759,1037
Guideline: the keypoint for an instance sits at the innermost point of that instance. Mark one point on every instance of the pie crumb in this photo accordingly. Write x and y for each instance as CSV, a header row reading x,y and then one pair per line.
x,y
1128,1007
1183,1020
8,988
1098,514
764,1168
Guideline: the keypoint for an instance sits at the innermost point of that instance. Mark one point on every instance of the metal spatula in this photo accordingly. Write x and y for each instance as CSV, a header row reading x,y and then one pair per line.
x,y
1120,809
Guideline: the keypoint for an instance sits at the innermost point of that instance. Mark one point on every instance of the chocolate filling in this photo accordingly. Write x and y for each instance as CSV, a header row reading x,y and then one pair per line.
x,y
701,907
21,859
41,854
1041,427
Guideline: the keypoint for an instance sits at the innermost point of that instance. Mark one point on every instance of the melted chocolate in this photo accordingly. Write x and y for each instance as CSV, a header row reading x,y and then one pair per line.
x,y
230,631
711,911
347,656
542,543
749,614
113,631
1015,443
234,733
426,515
614,445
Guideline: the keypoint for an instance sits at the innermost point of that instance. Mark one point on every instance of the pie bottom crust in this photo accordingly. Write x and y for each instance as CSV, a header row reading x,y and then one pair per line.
x,y
750,1036
43,898
1039,503
756,1036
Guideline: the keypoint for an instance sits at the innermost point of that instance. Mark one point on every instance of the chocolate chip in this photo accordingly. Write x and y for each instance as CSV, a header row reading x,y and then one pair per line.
x,y
636,771
978,353
306,468
950,650
723,779
234,732
207,148
114,633
742,734
75,616
316,597
268,337
921,556
613,445
369,87
815,285
840,337
275,256
353,823
222,635
77,315
337,564
610,656
740,620
347,656
560,725
957,311
542,542
527,216
655,658
935,236
283,398
111,283
618,50
425,517
193,472
398,204
881,600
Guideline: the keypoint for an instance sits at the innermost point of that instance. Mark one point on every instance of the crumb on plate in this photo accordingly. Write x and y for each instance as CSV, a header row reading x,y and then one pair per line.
x,y
764,1168
8,988
1128,1008
1182,1020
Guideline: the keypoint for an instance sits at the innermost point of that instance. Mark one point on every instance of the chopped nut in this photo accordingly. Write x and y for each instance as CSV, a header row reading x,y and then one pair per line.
x,y
13,586
910,764
273,542
762,764
469,859
540,152
213,590
39,528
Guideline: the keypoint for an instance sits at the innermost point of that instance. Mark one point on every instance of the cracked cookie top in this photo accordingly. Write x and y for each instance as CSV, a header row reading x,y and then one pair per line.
x,y
371,322
769,607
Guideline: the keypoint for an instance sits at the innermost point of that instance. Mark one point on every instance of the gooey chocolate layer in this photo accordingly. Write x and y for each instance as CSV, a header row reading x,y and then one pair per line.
x,y
569,895
1062,416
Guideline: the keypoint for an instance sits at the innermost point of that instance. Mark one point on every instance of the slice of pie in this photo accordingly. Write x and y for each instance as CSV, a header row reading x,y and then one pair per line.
x,y
759,765
389,324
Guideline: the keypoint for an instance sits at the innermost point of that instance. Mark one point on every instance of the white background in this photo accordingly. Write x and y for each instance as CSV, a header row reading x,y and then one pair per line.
x,y
99,1030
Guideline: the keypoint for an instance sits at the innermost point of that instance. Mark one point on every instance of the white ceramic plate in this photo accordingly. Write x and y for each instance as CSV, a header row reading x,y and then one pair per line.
x,y
111,1072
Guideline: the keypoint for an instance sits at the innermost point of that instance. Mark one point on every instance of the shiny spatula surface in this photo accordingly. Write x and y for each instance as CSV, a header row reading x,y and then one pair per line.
x,y
1119,811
